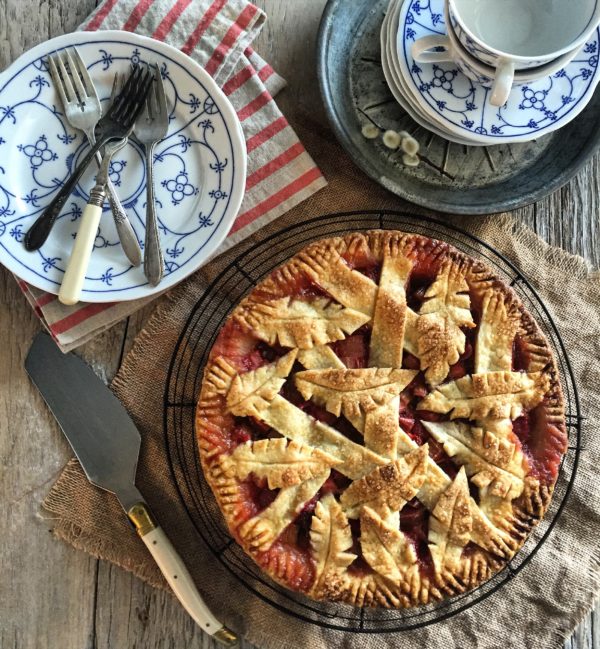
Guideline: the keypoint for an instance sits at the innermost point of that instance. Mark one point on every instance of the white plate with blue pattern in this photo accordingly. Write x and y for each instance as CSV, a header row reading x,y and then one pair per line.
x,y
462,107
199,171
393,76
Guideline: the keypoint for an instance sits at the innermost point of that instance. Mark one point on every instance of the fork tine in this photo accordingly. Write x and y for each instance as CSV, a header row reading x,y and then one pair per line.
x,y
134,98
147,87
144,113
151,102
116,88
57,80
65,80
79,89
145,92
85,76
128,88
155,97
160,92
122,97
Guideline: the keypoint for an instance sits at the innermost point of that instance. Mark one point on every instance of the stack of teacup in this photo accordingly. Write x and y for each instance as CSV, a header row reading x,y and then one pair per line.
x,y
492,71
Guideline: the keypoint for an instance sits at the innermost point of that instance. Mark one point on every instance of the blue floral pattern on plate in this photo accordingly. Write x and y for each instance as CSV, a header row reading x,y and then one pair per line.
x,y
393,75
462,106
199,168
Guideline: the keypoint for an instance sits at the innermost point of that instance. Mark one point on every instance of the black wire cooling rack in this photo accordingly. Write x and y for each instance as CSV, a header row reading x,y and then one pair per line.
x,y
183,384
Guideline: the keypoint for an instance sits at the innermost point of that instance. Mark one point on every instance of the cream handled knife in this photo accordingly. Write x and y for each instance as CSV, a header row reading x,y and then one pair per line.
x,y
107,444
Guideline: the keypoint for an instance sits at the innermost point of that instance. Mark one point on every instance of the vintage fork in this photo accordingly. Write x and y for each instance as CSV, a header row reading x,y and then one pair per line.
x,y
72,283
83,110
74,277
151,127
116,124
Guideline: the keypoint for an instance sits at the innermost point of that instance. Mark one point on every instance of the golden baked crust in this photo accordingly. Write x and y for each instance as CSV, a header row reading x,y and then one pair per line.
x,y
381,421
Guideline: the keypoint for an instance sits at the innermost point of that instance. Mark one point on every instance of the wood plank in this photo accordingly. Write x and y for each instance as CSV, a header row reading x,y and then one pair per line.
x,y
570,218
289,42
47,590
43,581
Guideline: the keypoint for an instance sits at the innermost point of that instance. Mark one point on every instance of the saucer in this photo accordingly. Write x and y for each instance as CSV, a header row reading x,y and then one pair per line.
x,y
393,81
450,98
393,76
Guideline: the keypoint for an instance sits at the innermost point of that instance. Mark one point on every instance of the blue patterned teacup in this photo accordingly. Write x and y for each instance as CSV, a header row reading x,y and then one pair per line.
x,y
528,33
501,79
512,35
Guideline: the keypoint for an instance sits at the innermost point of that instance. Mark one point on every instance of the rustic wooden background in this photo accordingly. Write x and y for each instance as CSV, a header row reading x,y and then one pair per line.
x,y
52,596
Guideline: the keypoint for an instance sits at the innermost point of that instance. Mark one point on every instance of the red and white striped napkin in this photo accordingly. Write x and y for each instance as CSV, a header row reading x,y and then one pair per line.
x,y
218,35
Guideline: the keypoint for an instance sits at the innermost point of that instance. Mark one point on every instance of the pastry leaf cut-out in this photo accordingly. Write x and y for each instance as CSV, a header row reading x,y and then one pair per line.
x,y
262,384
219,376
497,466
453,510
353,391
385,548
330,539
299,323
261,531
282,463
321,357
349,287
448,296
387,488
497,330
441,340
381,429
498,395
451,523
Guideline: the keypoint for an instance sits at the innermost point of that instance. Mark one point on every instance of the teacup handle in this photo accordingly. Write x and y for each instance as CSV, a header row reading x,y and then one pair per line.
x,y
421,54
503,82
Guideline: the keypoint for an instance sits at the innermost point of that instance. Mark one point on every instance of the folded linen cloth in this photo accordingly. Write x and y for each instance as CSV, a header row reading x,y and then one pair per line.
x,y
218,35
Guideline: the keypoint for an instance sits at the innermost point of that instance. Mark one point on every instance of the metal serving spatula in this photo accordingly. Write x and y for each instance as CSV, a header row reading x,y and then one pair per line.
x,y
107,444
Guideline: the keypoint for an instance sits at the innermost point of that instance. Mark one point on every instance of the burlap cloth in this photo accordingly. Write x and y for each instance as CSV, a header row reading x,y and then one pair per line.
x,y
537,609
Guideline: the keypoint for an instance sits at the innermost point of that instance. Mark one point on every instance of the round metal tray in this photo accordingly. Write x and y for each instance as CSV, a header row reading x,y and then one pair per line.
x,y
451,177
185,377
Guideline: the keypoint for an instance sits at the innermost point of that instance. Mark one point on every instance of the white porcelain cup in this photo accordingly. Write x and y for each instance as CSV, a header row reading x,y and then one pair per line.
x,y
512,35
449,48
524,33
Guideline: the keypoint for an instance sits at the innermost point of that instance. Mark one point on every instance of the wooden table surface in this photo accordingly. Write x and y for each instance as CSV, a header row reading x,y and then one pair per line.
x,y
51,596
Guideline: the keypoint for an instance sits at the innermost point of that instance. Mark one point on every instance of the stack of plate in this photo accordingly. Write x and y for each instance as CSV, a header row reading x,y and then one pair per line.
x,y
442,99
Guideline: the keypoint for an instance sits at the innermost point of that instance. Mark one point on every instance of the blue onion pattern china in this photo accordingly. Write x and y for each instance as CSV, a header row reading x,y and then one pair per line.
x,y
481,53
395,81
470,45
199,168
462,106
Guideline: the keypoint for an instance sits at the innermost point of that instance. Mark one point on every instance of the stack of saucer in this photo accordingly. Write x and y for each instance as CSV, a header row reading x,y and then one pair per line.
x,y
452,92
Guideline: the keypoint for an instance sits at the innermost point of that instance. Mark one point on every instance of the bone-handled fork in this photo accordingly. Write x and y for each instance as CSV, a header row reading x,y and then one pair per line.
x,y
83,110
70,289
151,127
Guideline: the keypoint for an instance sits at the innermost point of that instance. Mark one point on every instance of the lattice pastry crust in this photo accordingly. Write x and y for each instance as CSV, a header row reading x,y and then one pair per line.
x,y
381,421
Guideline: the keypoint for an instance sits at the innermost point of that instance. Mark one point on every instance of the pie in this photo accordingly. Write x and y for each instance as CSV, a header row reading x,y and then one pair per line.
x,y
381,421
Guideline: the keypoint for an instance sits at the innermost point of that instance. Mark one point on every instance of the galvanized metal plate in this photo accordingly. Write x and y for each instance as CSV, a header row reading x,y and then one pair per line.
x,y
451,177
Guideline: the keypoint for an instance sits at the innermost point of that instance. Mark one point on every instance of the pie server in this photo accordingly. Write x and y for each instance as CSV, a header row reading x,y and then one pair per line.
x,y
107,444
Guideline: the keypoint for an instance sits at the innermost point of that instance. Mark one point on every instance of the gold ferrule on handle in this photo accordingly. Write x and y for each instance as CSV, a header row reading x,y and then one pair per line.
x,y
142,518
226,637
